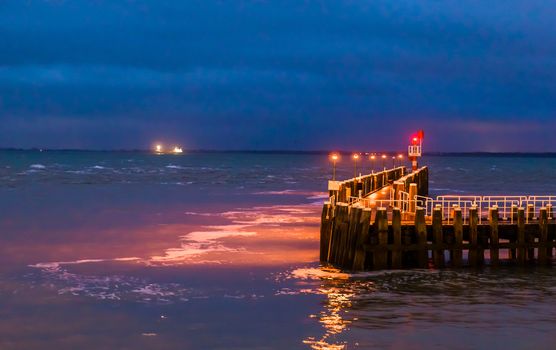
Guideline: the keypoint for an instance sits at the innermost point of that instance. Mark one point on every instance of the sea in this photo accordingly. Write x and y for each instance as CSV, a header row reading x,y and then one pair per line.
x,y
209,250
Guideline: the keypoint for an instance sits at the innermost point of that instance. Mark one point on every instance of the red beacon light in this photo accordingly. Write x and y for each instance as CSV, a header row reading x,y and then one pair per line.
x,y
415,149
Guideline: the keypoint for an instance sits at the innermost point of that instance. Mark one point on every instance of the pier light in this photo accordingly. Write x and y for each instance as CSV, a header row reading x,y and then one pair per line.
x,y
355,157
384,161
334,157
400,157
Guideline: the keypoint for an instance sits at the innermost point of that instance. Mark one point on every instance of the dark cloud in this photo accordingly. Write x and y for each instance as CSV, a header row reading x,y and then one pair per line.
x,y
278,75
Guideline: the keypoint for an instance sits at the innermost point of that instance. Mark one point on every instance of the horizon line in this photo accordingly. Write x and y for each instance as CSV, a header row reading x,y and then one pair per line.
x,y
274,151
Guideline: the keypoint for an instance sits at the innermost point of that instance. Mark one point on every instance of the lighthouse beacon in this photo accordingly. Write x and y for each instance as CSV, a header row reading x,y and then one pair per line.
x,y
415,148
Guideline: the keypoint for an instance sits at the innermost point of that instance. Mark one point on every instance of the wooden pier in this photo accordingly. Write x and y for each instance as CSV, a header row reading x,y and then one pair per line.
x,y
391,224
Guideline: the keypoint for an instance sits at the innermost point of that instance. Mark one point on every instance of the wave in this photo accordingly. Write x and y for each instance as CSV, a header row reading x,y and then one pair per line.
x,y
172,166
37,166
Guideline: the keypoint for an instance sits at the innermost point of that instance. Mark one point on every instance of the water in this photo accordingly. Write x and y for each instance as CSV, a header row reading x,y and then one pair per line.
x,y
111,250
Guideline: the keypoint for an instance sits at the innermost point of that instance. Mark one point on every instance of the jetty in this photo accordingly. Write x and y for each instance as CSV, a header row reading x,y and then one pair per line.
x,y
386,220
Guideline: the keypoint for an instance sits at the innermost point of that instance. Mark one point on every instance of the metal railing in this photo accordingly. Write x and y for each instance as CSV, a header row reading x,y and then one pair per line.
x,y
507,205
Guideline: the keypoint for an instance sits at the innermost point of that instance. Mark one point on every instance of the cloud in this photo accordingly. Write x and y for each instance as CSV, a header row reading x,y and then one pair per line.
x,y
260,74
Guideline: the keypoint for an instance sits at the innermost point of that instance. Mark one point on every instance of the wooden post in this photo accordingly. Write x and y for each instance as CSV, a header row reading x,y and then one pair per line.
x,y
530,212
397,238
549,212
513,213
380,256
352,236
458,237
412,194
521,236
339,225
421,230
543,236
530,238
362,238
438,253
494,252
473,237
398,188
513,217
325,221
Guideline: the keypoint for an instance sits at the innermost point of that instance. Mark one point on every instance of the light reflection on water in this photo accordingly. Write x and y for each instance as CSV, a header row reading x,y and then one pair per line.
x,y
376,310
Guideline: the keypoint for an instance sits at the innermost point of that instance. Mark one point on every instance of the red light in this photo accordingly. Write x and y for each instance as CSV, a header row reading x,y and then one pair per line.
x,y
417,137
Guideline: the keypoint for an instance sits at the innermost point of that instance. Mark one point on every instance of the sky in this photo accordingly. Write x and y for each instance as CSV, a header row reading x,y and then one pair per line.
x,y
278,75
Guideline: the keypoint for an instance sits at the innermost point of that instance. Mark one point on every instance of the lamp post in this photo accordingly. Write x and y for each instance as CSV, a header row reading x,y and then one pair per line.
x,y
393,162
384,161
334,157
355,158
372,158
400,157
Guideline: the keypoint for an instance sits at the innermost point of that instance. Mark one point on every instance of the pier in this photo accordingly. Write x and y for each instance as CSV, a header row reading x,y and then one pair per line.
x,y
391,223
386,220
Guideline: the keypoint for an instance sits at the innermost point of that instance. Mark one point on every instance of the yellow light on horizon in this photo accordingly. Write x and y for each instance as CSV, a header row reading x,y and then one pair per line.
x,y
373,157
400,156
158,148
334,156
355,156
177,150
384,156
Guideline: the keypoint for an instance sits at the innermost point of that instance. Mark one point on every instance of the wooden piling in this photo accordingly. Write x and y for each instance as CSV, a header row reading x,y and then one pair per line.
x,y
340,223
380,255
473,237
421,230
543,236
438,253
412,194
362,239
397,238
521,236
513,218
530,212
549,212
458,238
352,235
494,252
529,236
326,220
